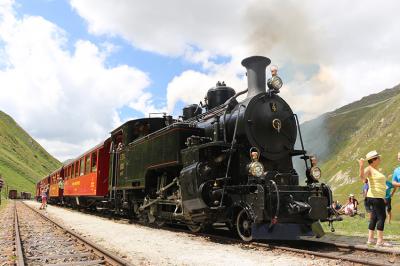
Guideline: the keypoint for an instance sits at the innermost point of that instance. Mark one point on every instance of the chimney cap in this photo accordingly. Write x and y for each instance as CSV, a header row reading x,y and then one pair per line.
x,y
260,59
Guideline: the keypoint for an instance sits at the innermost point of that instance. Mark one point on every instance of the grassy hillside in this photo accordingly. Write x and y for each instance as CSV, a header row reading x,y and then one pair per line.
x,y
22,160
348,133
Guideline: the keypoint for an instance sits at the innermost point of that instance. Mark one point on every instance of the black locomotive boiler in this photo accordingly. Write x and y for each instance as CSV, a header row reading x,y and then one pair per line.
x,y
226,163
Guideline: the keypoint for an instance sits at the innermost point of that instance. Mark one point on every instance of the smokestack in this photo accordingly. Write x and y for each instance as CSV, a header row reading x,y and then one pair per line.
x,y
256,66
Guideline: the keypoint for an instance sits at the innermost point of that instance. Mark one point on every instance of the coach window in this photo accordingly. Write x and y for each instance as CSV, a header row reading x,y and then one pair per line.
x,y
87,168
73,170
82,166
94,161
77,168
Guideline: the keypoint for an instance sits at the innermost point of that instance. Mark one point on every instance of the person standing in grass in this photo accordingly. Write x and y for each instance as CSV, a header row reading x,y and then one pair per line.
x,y
388,198
396,177
375,196
396,174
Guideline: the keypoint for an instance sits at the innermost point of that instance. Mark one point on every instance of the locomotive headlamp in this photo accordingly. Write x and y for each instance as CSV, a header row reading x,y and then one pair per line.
x,y
275,83
315,172
255,167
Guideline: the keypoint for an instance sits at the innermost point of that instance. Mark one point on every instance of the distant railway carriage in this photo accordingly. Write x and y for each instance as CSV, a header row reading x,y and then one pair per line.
x,y
26,195
12,194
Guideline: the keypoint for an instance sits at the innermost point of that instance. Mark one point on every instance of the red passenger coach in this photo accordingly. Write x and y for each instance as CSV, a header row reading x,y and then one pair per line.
x,y
88,175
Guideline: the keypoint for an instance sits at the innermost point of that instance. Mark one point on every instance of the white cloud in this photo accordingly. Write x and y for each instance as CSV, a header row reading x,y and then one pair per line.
x,y
165,27
354,46
66,99
354,43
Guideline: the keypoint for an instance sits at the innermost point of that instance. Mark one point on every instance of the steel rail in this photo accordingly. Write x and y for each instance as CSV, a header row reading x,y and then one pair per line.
x,y
305,250
18,243
356,247
327,255
108,256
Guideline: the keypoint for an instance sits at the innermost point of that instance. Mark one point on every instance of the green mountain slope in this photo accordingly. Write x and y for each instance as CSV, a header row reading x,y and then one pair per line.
x,y
22,160
340,137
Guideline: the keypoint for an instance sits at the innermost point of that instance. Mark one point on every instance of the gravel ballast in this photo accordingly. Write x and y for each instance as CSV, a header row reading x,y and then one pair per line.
x,y
150,246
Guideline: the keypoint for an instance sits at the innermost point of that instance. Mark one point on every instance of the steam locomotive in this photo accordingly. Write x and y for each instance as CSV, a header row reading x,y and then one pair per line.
x,y
230,165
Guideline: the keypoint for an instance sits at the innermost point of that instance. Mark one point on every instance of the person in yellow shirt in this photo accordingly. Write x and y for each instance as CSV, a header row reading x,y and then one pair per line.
x,y
375,196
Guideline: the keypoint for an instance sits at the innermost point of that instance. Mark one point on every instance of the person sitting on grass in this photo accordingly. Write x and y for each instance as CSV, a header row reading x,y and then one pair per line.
x,y
350,208
336,206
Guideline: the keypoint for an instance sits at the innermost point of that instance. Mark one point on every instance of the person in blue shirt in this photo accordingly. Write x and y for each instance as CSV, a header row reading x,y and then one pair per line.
x,y
396,174
395,179
388,198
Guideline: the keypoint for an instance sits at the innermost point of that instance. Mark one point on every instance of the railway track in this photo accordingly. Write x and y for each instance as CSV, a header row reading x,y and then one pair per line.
x,y
343,253
340,252
40,240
